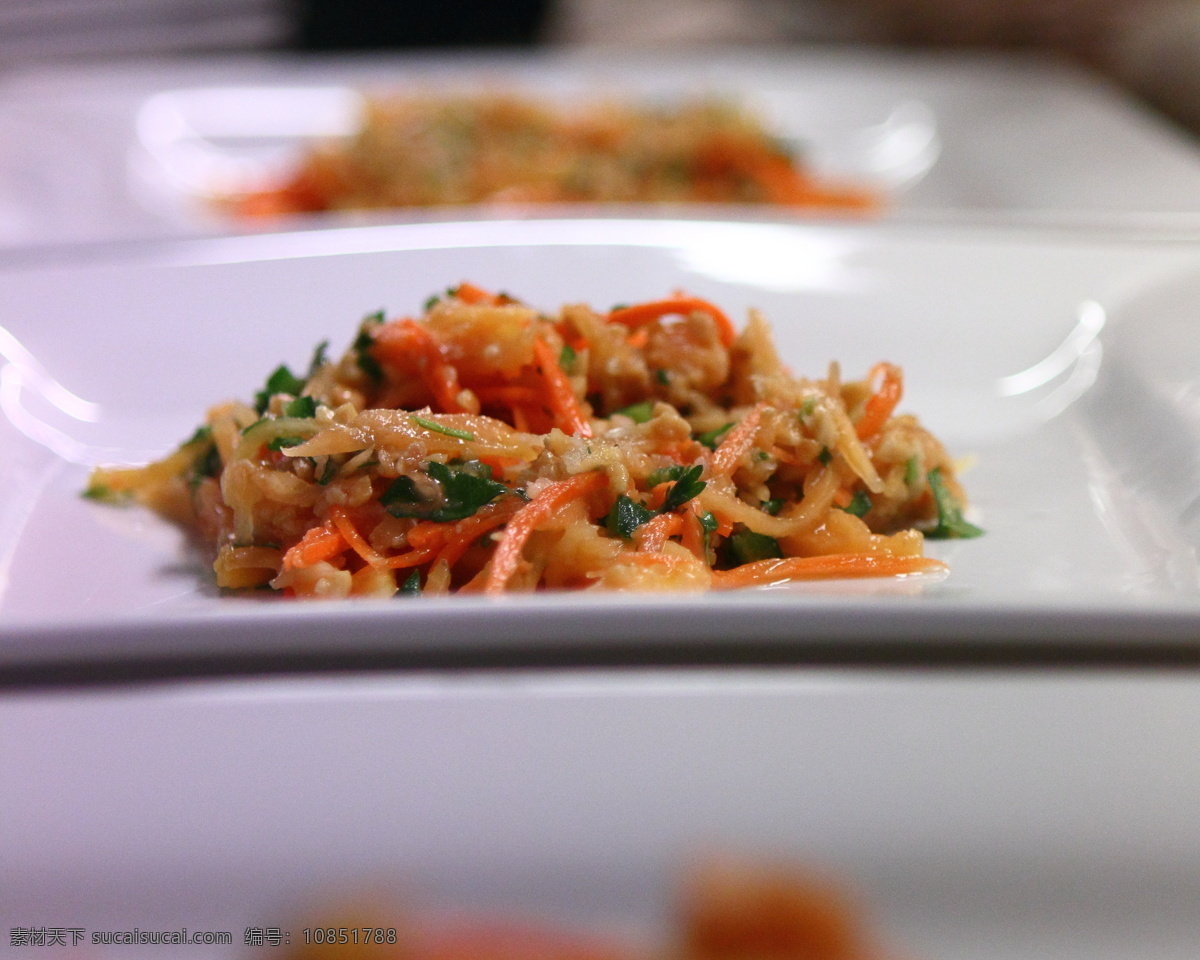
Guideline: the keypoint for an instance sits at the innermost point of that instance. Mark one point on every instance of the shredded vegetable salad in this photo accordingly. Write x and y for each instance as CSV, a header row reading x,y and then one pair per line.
x,y
486,447
433,151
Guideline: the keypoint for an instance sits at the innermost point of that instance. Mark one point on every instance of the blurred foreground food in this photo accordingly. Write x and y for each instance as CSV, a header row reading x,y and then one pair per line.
x,y
727,910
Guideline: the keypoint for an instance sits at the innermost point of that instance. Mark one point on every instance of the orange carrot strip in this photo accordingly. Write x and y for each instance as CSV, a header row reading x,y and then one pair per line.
x,y
318,543
736,443
507,557
643,313
399,340
882,402
411,558
341,520
652,534
508,395
834,565
466,532
568,415
469,293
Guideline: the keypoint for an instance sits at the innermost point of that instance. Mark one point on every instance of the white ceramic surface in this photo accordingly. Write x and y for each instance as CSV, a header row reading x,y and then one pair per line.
x,y
982,817
1063,369
108,151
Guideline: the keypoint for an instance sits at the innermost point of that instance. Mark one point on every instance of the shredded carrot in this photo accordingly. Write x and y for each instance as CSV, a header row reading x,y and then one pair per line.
x,y
882,402
736,443
643,313
318,543
507,557
568,415
410,558
401,340
656,531
341,521
834,565
469,293
459,537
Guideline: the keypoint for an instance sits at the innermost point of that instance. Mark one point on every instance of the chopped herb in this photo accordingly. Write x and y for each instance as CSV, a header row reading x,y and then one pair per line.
x,y
441,428
749,546
824,456
301,407
625,517
859,504
330,471
950,521
638,412
687,486
713,437
319,358
463,492
362,347
708,522
566,358
208,464
662,376
618,306
281,380
761,455
431,301
104,494
808,407
400,490
279,443
411,587
773,506
912,471
202,433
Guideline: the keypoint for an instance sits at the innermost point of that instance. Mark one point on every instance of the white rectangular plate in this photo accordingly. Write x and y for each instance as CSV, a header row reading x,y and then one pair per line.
x,y
980,817
1063,369
98,152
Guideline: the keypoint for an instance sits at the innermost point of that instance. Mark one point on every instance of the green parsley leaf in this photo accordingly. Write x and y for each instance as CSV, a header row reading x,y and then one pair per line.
x,y
279,443
463,492
566,358
402,490
625,517
638,412
711,438
662,376
859,504
208,464
202,433
281,380
411,587
748,546
362,347
687,486
773,506
950,522
825,456
440,428
301,407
